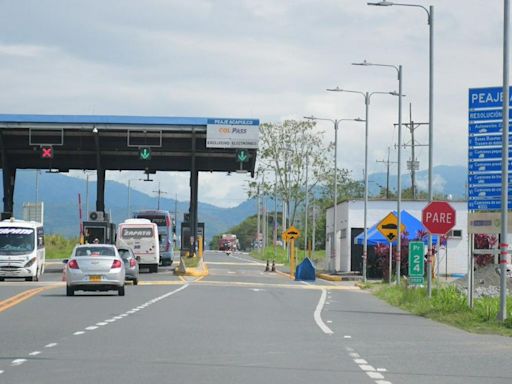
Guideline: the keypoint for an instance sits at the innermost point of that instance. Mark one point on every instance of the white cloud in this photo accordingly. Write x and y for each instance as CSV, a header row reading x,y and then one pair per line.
x,y
265,59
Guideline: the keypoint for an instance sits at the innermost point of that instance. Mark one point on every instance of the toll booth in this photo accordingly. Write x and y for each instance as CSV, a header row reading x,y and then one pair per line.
x,y
186,237
104,231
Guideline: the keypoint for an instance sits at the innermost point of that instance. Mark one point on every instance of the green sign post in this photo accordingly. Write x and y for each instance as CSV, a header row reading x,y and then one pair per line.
x,y
416,263
145,153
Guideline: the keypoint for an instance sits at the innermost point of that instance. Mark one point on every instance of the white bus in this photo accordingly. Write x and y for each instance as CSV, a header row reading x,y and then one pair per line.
x,y
166,231
22,252
141,235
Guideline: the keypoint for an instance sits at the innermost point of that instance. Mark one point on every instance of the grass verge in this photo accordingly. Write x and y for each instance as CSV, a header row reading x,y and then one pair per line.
x,y
448,306
58,247
281,256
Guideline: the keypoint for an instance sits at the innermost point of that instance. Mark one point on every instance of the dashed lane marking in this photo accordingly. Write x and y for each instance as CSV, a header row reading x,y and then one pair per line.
x,y
17,362
35,353
51,345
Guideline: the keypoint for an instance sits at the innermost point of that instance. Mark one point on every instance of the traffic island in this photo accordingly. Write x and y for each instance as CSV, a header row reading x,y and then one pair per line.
x,y
199,270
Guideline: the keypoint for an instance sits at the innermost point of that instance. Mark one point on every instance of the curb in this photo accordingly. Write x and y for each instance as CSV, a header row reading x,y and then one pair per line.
x,y
327,277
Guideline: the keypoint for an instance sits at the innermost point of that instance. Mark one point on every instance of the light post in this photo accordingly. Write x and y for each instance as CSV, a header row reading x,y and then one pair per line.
x,y
336,123
398,69
367,95
430,20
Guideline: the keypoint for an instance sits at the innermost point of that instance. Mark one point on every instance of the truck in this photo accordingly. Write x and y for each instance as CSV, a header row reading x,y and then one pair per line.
x,y
228,242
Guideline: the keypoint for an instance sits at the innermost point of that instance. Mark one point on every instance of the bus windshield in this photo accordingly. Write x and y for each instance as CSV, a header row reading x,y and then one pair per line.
x,y
16,241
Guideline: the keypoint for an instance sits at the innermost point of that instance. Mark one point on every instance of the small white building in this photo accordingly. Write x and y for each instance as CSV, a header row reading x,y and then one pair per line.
x,y
451,260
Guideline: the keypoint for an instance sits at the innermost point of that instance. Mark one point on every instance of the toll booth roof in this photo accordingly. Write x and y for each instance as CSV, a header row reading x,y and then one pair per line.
x,y
115,143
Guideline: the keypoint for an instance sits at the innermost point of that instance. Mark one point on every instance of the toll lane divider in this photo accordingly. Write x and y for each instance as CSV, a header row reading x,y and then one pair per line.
x,y
25,295
200,271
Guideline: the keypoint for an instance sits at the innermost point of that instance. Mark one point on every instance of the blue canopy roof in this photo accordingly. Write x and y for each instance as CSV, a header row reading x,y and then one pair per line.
x,y
413,229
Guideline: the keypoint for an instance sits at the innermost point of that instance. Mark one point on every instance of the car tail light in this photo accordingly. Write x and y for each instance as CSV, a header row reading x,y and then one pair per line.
x,y
116,264
133,263
72,264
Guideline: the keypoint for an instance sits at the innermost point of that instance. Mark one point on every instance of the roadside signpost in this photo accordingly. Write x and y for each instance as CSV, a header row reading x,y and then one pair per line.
x,y
290,235
485,149
416,263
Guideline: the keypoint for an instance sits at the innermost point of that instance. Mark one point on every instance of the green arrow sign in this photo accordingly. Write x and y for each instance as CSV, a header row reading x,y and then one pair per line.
x,y
242,156
145,154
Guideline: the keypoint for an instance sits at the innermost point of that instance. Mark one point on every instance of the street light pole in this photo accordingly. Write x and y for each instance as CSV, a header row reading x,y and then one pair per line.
x,y
367,95
430,16
336,123
399,162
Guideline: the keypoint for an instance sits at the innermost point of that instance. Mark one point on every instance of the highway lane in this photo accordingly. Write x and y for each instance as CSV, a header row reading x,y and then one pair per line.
x,y
238,325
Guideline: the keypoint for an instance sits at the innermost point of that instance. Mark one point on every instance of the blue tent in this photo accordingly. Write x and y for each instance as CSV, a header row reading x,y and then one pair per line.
x,y
413,227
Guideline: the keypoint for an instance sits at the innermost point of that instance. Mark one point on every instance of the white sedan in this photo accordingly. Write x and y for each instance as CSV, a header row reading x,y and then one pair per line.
x,y
95,267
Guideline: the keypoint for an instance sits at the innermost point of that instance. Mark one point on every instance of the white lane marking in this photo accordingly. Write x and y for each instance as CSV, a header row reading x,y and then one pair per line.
x,y
354,354
233,272
382,370
372,372
318,314
91,328
347,337
51,345
118,317
375,375
360,361
329,321
35,353
17,362
1,372
78,333
257,290
101,323
110,320
366,367
349,349
383,382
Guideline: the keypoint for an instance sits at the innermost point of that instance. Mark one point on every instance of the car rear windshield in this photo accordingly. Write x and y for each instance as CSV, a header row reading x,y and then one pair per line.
x,y
124,253
95,251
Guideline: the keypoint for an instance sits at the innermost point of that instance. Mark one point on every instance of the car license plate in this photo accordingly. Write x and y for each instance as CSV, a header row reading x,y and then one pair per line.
x,y
95,278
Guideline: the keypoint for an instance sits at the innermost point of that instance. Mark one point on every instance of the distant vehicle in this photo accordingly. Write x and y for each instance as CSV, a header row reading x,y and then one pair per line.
x,y
131,265
22,251
166,231
94,267
141,235
228,242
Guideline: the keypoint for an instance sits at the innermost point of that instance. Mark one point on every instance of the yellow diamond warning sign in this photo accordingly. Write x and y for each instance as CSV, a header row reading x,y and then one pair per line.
x,y
292,233
388,227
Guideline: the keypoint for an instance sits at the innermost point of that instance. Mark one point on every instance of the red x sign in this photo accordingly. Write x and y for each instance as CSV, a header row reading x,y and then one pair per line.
x,y
47,153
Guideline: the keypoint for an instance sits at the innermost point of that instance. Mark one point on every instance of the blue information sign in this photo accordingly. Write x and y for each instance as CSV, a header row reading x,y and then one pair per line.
x,y
485,148
489,97
485,179
481,192
493,140
487,205
483,128
487,166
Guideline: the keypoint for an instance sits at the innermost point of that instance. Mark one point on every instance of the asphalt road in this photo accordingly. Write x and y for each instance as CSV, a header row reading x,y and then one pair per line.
x,y
238,325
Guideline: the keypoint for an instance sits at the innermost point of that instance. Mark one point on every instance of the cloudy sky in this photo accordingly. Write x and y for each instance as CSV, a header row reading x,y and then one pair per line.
x,y
266,59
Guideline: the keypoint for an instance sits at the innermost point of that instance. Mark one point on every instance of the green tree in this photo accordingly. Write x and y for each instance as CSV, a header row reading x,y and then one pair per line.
x,y
287,151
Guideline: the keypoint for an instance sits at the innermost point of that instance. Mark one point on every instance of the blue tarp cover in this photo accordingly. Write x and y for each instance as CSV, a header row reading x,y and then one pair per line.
x,y
413,227
305,271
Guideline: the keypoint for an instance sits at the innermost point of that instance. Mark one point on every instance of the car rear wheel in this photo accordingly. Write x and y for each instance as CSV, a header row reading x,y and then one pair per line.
x,y
120,291
69,291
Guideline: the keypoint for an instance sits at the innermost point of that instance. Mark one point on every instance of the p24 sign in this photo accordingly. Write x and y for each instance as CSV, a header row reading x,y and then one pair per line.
x,y
416,262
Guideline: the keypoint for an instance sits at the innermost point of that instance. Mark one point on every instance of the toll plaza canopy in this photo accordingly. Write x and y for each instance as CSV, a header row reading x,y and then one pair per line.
x,y
63,142
114,143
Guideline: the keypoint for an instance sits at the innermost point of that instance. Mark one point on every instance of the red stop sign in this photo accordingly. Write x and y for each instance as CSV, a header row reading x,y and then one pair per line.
x,y
438,217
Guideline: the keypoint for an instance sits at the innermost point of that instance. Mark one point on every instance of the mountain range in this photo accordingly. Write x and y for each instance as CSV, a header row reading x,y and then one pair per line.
x,y
60,195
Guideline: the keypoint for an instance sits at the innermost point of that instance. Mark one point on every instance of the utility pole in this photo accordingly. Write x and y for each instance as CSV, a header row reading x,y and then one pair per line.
x,y
413,164
387,162
159,192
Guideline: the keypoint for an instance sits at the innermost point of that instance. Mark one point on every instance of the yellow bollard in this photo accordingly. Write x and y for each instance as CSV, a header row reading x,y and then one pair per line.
x,y
292,258
200,246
